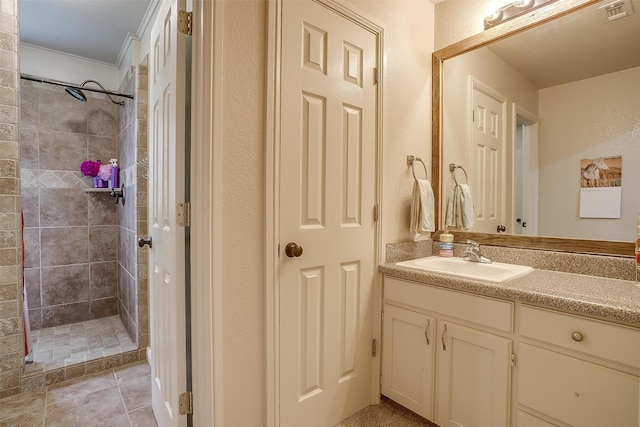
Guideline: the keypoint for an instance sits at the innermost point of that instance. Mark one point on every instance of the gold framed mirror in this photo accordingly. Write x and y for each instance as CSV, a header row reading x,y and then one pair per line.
x,y
540,17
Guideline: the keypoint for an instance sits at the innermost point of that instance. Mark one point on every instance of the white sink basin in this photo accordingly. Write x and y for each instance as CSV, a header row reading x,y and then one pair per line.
x,y
495,272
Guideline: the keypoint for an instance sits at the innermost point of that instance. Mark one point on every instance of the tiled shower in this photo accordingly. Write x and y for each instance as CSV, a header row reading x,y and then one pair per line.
x,y
82,265
131,124
70,236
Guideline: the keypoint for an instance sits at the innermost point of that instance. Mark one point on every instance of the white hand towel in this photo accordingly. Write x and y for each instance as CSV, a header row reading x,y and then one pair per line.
x,y
466,205
460,208
422,208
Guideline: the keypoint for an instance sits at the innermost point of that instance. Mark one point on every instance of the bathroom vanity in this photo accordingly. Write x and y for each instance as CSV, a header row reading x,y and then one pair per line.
x,y
548,348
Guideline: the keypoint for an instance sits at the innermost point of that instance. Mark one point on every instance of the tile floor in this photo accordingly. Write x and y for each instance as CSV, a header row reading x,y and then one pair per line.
x,y
119,397
61,346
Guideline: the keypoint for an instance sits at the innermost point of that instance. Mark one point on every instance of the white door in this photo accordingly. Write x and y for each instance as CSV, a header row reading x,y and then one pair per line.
x,y
473,378
487,159
166,189
327,197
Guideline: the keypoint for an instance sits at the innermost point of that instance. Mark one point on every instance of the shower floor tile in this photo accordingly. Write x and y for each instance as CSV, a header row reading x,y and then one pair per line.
x,y
61,346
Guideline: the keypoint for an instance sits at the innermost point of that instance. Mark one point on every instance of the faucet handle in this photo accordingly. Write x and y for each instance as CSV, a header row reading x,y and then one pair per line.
x,y
473,244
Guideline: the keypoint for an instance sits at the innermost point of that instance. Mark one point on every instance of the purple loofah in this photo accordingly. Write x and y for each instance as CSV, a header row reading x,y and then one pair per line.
x,y
90,168
105,172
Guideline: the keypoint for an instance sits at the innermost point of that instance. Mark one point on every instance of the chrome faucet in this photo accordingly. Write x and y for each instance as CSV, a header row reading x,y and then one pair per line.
x,y
474,254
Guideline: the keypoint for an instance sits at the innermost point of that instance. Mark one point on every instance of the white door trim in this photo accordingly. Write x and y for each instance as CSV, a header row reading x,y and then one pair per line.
x,y
531,124
272,198
206,216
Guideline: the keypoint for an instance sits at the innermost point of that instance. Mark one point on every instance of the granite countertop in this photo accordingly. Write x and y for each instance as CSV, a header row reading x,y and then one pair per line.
x,y
610,299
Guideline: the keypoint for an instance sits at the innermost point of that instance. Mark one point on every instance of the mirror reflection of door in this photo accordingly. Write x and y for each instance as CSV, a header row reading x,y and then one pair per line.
x,y
486,157
526,171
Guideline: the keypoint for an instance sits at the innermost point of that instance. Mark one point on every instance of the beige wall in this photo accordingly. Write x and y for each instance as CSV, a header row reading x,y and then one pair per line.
x,y
408,47
51,64
245,41
456,20
408,33
591,118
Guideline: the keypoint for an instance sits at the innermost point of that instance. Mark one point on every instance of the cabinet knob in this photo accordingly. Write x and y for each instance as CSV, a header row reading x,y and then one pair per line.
x,y
577,336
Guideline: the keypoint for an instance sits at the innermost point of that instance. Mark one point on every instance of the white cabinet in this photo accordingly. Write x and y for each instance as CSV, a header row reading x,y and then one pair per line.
x,y
473,377
578,371
439,357
448,356
408,359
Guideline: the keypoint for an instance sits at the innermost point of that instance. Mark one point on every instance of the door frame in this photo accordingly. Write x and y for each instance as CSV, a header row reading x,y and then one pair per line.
x,y
530,124
272,200
206,213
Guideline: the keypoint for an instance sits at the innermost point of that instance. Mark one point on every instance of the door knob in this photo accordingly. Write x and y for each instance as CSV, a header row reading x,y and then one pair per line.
x,y
293,250
501,228
142,242
524,224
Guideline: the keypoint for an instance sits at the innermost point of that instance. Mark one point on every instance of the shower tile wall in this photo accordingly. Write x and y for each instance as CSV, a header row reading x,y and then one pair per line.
x,y
133,300
70,236
11,341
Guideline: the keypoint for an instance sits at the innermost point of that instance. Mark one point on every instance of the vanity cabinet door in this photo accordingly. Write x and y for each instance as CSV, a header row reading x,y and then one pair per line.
x,y
575,391
473,377
407,359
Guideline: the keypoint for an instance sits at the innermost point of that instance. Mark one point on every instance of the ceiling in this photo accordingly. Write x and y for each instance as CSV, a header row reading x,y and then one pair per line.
x,y
577,46
94,29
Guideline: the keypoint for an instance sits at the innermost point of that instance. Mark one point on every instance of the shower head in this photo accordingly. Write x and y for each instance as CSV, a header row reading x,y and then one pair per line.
x,y
77,93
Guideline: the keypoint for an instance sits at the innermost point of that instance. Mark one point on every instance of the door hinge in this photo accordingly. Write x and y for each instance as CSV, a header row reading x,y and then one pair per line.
x,y
374,348
183,214
185,22
376,213
380,379
513,359
185,403
473,115
376,76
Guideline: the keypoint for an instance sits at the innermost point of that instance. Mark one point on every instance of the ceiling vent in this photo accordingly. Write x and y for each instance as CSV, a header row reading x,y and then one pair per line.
x,y
616,10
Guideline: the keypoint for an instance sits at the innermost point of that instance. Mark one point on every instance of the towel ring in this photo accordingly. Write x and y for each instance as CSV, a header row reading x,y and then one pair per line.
x,y
452,169
413,167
